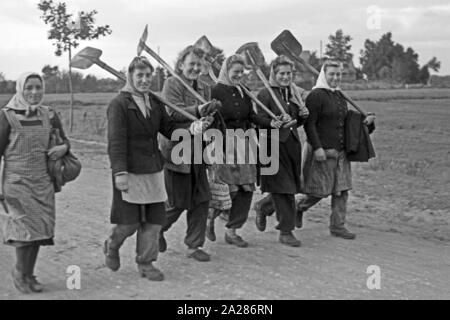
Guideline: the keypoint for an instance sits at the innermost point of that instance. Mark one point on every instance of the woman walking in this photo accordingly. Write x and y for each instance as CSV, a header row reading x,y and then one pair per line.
x,y
28,190
286,182
187,183
237,111
135,117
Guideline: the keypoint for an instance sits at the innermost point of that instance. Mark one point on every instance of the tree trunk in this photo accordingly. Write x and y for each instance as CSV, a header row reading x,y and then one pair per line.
x,y
71,90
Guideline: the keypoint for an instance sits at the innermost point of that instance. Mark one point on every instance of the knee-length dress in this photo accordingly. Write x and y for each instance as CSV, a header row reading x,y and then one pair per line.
x,y
27,187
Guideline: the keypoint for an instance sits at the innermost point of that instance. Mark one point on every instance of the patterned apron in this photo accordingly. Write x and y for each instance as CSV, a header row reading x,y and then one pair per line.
x,y
27,187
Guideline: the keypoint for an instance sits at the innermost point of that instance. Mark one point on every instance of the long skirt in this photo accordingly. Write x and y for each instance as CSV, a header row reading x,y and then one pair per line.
x,y
324,178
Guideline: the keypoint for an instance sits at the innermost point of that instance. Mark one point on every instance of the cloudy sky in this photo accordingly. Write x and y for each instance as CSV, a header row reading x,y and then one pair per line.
x,y
174,24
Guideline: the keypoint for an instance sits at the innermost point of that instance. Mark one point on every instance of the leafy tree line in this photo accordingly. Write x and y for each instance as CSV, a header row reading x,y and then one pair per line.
x,y
57,81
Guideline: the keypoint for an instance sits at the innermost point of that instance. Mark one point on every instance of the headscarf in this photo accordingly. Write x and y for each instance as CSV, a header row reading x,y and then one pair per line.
x,y
142,99
18,101
322,82
296,92
224,76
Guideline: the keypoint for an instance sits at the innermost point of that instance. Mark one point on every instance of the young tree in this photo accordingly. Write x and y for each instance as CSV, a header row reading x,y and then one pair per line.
x,y
424,74
339,47
67,34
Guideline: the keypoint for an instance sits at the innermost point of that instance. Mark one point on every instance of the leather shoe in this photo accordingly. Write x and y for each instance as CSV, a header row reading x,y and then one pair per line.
x,y
199,255
162,243
112,258
236,240
343,233
290,240
299,219
20,282
210,232
150,272
35,286
261,219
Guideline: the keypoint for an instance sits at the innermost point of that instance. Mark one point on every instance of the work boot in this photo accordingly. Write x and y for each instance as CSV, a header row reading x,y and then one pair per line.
x,y
235,240
150,272
162,243
112,257
20,282
199,255
299,219
261,218
35,286
290,240
210,232
343,233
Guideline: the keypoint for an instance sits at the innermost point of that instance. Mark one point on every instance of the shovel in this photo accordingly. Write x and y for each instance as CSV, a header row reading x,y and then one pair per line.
x,y
206,45
143,47
254,59
286,44
89,56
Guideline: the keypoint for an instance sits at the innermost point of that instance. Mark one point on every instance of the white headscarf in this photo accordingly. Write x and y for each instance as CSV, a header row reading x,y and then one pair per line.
x,y
141,98
18,101
322,82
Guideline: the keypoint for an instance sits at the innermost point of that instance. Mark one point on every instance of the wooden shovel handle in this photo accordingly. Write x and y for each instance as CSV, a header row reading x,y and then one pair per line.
x,y
173,73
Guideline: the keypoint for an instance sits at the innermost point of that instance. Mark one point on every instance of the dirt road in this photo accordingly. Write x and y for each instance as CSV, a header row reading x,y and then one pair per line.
x,y
413,265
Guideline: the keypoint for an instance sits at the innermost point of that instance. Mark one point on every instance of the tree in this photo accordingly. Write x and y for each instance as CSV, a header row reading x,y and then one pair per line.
x,y
2,77
339,46
66,33
424,74
384,59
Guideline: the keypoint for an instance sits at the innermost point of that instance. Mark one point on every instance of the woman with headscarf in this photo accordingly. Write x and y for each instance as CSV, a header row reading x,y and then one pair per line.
x,y
187,183
286,182
29,195
135,117
326,169
237,112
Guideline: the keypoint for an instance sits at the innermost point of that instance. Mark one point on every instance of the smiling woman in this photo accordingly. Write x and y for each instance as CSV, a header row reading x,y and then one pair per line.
x,y
29,220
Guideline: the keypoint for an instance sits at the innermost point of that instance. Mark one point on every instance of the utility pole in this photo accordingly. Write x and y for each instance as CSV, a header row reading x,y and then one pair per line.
x,y
320,50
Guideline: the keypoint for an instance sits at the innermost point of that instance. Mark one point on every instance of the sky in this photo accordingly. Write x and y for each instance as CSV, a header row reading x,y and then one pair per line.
x,y
174,24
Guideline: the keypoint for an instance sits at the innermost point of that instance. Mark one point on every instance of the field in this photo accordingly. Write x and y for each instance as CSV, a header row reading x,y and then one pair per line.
x,y
410,177
400,209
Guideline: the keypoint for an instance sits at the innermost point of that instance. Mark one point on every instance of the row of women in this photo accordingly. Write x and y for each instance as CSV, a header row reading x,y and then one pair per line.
x,y
150,192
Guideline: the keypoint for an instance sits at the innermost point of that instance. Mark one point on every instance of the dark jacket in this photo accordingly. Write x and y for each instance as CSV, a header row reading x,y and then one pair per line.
x,y
358,145
132,139
237,111
176,93
292,109
325,126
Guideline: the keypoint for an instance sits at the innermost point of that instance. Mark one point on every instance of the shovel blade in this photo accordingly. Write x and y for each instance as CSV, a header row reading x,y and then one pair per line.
x,y
253,49
142,41
286,44
85,58
204,44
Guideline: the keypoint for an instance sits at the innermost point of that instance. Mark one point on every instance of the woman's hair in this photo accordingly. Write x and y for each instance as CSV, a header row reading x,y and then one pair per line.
x,y
235,59
183,54
139,63
281,61
331,63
